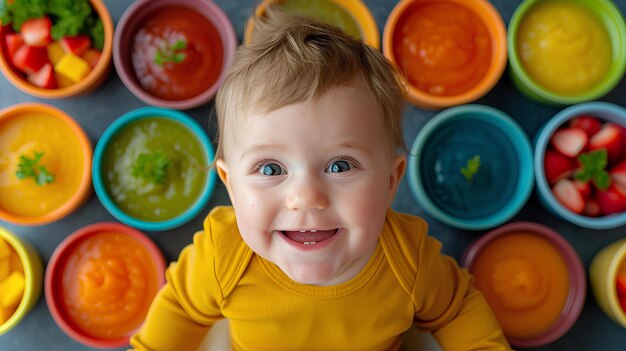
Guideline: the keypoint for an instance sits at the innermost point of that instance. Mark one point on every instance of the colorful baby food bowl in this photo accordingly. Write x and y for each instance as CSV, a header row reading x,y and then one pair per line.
x,y
100,282
554,173
451,52
173,53
151,169
61,68
607,274
566,52
352,16
21,279
532,278
45,164
471,167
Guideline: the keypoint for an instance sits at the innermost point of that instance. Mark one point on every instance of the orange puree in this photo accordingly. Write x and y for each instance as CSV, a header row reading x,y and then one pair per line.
x,y
563,46
108,283
62,156
443,48
525,280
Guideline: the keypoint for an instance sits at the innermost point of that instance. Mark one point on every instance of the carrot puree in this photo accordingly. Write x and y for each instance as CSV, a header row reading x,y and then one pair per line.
x,y
24,135
109,281
443,48
526,281
564,47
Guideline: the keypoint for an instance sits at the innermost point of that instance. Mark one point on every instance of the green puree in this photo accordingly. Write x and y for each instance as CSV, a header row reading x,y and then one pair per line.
x,y
185,174
324,11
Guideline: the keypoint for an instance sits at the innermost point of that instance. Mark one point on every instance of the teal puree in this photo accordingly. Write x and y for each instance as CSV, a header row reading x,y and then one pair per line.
x,y
324,11
449,150
185,173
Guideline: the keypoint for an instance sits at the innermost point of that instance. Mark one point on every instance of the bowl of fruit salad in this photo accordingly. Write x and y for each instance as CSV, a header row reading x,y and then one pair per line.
x,y
580,164
55,49
607,275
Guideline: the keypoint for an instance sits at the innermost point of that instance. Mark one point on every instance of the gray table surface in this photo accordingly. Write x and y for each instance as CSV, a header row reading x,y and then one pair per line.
x,y
592,331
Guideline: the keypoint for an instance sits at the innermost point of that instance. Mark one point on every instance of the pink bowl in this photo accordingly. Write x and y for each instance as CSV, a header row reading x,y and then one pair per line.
x,y
131,21
578,282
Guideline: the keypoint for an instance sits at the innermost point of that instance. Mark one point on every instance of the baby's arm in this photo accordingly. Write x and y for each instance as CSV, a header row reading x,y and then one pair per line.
x,y
188,304
448,304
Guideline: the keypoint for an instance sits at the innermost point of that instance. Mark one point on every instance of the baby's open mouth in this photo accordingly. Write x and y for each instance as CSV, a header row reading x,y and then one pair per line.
x,y
309,237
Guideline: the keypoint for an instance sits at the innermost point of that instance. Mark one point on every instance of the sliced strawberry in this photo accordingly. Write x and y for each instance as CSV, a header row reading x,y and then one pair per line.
x,y
609,138
36,31
584,188
92,56
591,125
618,174
13,42
557,166
592,209
76,44
611,201
569,141
568,194
44,78
30,59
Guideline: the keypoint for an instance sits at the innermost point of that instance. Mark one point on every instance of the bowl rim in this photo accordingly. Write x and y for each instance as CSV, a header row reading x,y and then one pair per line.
x,y
578,279
357,9
510,129
31,263
85,84
219,20
84,187
57,258
607,84
609,112
616,261
494,23
153,112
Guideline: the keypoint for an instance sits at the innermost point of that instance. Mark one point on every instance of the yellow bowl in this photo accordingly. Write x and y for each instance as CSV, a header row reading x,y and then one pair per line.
x,y
603,277
33,276
355,8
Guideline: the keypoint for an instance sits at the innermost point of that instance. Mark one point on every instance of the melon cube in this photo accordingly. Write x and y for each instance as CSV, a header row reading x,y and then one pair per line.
x,y
11,290
5,268
5,248
55,52
72,67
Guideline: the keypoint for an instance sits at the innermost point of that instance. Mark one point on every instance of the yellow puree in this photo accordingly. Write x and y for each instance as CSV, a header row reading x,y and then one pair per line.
x,y
564,47
63,157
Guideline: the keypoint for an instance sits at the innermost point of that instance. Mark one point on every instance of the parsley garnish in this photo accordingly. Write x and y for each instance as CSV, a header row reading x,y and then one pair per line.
x,y
593,168
472,167
151,167
30,167
168,53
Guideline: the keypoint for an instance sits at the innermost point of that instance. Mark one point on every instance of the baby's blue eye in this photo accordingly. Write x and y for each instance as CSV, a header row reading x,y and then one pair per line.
x,y
271,169
339,166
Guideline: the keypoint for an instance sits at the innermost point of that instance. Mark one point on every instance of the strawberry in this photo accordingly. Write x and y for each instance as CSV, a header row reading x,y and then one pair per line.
x,y
569,141
30,59
569,196
557,166
584,188
44,78
620,283
609,138
618,174
592,209
92,56
77,44
591,125
613,200
13,42
36,31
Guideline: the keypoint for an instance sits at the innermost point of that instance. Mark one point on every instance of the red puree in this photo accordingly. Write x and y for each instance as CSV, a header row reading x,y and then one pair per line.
x,y
203,55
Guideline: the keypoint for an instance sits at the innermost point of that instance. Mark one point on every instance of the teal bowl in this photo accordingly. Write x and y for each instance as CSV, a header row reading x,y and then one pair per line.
x,y
112,199
605,111
439,169
610,18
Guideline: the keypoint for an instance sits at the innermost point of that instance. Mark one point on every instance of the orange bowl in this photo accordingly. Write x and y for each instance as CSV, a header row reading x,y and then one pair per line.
x,y
93,79
34,127
485,12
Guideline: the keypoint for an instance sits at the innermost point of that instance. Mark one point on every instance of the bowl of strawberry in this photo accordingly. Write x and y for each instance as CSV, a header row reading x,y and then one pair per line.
x,y
55,49
580,163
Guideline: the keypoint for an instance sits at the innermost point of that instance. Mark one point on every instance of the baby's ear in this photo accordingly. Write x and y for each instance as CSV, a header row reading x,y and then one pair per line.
x,y
222,172
398,166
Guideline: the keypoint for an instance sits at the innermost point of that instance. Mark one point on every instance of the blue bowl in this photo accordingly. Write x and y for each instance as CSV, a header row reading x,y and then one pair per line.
x,y
500,187
603,110
106,199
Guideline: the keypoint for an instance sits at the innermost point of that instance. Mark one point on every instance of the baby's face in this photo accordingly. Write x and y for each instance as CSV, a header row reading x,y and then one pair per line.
x,y
311,183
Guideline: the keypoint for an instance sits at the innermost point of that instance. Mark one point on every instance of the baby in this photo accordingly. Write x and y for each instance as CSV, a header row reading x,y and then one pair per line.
x,y
310,256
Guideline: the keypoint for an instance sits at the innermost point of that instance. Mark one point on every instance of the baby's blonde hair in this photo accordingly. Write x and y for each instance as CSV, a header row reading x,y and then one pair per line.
x,y
292,59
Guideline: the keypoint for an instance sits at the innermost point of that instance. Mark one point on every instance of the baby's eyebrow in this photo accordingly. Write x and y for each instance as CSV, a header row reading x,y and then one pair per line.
x,y
262,148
